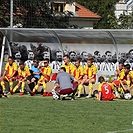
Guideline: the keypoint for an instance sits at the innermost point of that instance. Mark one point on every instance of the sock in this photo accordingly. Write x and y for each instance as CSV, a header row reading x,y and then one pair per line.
x,y
44,87
23,85
90,88
15,88
3,85
11,85
80,88
35,88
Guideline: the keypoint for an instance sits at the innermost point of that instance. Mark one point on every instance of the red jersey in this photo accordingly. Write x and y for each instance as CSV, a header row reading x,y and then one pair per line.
x,y
106,91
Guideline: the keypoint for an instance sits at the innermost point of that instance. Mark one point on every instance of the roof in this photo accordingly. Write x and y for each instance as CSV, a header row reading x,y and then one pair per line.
x,y
57,37
81,11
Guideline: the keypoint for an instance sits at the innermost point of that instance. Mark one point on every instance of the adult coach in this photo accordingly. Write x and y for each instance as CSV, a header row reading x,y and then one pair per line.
x,y
65,83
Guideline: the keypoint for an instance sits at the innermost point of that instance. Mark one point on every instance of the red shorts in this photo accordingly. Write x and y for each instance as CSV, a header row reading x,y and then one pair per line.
x,y
116,82
67,90
7,77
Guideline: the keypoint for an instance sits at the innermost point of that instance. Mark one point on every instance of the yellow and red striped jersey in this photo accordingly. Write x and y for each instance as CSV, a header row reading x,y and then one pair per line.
x,y
90,71
10,69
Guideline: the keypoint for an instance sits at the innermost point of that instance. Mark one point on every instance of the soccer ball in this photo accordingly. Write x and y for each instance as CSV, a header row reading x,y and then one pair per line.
x,y
128,96
55,97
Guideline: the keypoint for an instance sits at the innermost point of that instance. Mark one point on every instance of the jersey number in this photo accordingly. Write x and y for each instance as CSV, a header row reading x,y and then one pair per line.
x,y
106,89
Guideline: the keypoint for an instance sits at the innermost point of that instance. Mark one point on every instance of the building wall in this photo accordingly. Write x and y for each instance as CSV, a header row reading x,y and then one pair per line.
x,y
86,24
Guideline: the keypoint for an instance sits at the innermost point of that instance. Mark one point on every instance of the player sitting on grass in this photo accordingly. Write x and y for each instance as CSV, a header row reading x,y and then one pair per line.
x,y
23,74
66,84
127,83
1,92
105,90
45,77
120,77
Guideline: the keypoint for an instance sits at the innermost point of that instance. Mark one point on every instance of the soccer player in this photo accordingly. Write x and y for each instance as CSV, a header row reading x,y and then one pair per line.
x,y
67,64
78,75
64,85
45,77
105,90
9,74
120,77
35,75
128,79
89,78
23,74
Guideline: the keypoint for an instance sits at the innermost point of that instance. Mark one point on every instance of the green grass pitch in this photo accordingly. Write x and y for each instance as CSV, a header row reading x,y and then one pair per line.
x,y
37,114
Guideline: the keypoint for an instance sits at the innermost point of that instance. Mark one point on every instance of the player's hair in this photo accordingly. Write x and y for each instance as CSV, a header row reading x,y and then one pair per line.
x,y
67,56
101,79
63,68
122,63
90,58
21,62
127,66
10,57
78,59
46,59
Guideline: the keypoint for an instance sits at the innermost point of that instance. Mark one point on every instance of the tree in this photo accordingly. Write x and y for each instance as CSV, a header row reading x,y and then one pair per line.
x,y
104,8
32,13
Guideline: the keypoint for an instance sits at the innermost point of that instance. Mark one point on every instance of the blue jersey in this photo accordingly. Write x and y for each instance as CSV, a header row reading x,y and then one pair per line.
x,y
35,69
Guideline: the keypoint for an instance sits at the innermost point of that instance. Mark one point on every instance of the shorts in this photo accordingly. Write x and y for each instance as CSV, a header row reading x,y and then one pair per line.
x,y
67,90
116,82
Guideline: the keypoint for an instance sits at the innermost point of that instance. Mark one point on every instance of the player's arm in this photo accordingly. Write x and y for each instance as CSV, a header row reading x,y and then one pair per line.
x,y
99,92
99,96
57,82
5,71
81,73
94,73
15,68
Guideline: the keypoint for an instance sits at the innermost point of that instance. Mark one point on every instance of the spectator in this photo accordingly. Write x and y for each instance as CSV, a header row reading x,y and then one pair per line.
x,y
89,78
130,56
45,77
108,55
97,56
9,74
72,55
64,85
23,74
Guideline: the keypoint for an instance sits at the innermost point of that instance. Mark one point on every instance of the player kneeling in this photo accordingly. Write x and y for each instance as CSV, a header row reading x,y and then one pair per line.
x,y
66,84
105,90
